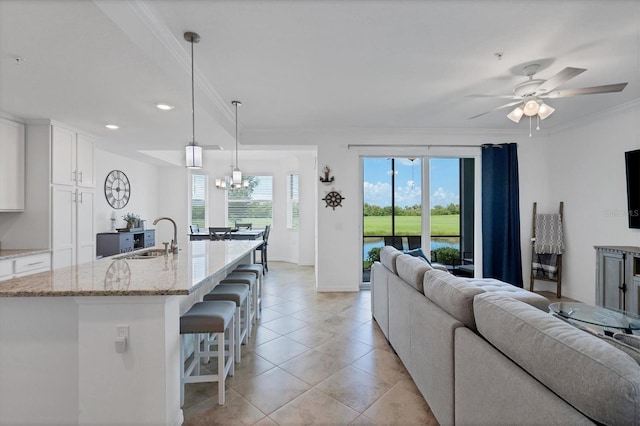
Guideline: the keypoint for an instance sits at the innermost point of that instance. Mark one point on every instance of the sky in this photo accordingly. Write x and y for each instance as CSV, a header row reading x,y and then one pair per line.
x,y
444,176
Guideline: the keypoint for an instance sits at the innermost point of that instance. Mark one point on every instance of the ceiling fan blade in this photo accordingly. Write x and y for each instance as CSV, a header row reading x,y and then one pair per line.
x,y
566,74
493,96
497,108
609,88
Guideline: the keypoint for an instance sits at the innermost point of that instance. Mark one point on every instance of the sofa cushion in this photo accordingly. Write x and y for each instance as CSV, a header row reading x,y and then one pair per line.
x,y
411,270
453,294
597,379
491,285
418,253
388,255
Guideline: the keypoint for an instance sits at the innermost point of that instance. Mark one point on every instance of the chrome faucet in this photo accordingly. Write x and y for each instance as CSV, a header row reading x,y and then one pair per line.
x,y
174,242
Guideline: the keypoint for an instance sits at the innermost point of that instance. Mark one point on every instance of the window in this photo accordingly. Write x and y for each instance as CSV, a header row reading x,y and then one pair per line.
x,y
253,204
293,202
199,200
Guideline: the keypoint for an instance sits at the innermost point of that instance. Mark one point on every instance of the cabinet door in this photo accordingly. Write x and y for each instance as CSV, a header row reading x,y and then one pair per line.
x,y
84,226
126,242
85,161
149,238
63,156
6,269
612,277
63,225
11,166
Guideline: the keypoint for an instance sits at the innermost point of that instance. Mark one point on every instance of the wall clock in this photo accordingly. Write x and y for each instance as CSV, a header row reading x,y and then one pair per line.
x,y
117,189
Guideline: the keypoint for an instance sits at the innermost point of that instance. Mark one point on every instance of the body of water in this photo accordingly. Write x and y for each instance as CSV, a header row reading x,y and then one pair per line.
x,y
435,243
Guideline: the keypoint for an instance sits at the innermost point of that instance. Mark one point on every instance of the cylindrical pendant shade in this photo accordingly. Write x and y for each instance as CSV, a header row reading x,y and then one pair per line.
x,y
237,177
193,156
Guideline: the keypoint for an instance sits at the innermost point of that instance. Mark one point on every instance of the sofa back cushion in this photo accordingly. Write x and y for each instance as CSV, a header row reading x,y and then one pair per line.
x,y
591,375
453,294
388,255
411,269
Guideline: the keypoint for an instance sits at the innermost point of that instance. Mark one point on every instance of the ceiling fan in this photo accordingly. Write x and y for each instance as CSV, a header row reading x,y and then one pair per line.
x,y
529,95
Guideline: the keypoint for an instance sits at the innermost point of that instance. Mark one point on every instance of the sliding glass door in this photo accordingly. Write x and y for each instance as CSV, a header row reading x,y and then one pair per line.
x,y
392,209
393,205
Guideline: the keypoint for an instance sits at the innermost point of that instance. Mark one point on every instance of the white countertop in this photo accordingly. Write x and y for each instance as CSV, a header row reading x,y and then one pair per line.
x,y
175,274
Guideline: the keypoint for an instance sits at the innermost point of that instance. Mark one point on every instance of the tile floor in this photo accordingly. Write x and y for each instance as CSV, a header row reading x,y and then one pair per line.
x,y
314,358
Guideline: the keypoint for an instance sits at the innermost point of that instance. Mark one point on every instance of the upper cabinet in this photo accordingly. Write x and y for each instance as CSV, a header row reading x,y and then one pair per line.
x,y
72,158
11,166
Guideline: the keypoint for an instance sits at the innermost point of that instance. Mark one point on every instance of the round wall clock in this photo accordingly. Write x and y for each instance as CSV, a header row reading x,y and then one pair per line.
x,y
117,189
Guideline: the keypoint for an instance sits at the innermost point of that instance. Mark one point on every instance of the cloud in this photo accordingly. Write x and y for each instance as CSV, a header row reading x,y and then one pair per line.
x,y
379,193
443,197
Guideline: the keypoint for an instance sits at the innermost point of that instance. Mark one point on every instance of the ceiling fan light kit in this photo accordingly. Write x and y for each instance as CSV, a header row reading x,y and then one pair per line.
x,y
193,152
529,94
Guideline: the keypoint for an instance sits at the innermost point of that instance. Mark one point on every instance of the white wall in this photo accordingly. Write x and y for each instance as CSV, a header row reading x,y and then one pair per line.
x,y
296,246
173,201
587,172
143,178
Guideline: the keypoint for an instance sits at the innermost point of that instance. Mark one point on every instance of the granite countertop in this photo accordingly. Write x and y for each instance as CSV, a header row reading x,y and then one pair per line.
x,y
175,274
10,254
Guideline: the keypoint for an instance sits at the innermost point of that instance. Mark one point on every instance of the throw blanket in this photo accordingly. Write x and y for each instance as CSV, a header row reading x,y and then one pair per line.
x,y
549,237
545,266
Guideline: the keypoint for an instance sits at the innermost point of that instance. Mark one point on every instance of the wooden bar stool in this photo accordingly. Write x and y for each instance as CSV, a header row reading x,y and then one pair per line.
x,y
237,293
248,278
211,319
258,271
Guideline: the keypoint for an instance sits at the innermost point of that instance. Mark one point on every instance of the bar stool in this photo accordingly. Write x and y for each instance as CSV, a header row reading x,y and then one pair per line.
x,y
238,294
248,278
258,271
212,319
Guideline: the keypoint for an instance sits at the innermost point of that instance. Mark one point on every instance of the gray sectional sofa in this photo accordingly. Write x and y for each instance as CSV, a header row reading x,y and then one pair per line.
x,y
485,352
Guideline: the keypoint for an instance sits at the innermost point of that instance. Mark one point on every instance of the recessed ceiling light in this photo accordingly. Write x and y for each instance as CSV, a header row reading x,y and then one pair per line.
x,y
165,107
112,126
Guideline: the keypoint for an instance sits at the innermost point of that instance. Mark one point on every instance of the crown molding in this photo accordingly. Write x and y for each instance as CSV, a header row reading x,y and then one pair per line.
x,y
634,103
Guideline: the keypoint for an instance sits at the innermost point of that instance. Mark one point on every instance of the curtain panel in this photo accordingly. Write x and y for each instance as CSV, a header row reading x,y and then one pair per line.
x,y
502,258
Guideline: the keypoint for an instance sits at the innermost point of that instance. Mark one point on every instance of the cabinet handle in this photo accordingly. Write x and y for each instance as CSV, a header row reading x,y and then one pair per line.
x,y
74,175
80,198
80,174
74,197
35,263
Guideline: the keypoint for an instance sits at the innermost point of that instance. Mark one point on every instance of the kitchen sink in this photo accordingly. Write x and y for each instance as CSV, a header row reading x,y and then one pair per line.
x,y
146,254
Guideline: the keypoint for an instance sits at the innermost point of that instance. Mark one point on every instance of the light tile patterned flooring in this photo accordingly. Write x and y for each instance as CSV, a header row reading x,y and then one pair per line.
x,y
314,358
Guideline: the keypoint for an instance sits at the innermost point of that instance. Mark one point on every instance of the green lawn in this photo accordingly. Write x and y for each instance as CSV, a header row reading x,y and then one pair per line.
x,y
410,225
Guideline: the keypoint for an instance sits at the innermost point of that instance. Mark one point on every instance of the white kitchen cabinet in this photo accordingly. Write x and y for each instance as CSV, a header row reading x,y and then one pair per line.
x,y
6,269
12,164
26,264
72,158
72,232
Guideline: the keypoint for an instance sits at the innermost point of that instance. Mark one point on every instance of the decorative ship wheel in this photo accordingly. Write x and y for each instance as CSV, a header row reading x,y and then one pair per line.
x,y
333,199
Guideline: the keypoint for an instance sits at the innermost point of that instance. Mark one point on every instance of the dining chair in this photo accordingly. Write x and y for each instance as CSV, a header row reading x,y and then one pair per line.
x,y
245,226
219,233
263,247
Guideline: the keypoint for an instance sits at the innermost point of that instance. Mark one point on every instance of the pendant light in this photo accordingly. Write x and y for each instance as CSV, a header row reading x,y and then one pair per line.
x,y
192,150
236,175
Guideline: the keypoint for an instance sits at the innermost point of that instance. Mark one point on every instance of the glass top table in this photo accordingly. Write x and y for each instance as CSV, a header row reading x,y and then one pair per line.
x,y
597,315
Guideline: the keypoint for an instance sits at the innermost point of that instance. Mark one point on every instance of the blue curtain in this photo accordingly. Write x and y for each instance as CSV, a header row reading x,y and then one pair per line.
x,y
501,213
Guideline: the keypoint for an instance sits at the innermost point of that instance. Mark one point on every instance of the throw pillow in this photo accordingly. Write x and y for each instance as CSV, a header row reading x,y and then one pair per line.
x,y
418,253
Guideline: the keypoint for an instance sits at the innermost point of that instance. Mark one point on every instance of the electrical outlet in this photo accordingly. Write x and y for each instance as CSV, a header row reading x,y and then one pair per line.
x,y
122,331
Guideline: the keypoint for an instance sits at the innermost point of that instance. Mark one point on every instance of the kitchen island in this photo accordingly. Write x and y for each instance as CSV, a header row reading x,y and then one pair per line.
x,y
59,362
